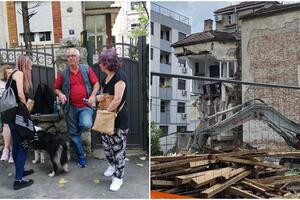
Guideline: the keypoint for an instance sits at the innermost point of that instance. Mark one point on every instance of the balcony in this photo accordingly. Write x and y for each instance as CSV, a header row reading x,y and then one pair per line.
x,y
165,68
165,117
165,45
165,93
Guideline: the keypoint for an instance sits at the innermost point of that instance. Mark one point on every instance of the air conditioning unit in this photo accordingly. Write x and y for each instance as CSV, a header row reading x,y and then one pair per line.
x,y
218,18
183,115
184,70
184,92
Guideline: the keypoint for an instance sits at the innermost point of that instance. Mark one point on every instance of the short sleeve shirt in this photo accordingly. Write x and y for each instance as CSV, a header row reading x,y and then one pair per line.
x,y
77,87
109,88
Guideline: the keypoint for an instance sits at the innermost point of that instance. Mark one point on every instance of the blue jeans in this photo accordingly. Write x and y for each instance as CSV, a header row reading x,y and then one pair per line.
x,y
79,120
18,152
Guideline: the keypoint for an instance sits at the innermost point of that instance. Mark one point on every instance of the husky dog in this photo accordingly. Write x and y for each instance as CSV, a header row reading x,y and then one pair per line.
x,y
58,147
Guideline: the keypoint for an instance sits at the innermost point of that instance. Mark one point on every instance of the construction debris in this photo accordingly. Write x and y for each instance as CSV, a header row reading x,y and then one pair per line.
x,y
236,174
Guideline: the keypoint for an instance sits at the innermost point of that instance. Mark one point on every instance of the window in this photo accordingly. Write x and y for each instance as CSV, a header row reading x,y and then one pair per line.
x,y
181,129
197,69
162,106
180,107
181,63
164,130
135,5
31,37
181,84
167,59
162,82
152,28
181,36
168,35
96,30
161,34
231,19
45,36
227,69
133,26
151,53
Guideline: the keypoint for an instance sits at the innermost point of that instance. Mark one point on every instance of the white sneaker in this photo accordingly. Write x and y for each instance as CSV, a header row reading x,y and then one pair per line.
x,y
116,184
110,170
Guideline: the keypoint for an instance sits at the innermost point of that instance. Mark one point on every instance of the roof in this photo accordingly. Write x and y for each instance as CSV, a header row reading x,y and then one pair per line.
x,y
244,4
203,37
273,10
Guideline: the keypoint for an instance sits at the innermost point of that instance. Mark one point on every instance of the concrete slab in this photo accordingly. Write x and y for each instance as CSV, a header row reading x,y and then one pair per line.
x,y
79,182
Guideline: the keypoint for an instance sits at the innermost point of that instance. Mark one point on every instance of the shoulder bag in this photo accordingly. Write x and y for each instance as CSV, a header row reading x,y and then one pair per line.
x,y
105,121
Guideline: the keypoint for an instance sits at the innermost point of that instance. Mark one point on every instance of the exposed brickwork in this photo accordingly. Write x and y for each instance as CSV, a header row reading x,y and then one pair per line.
x,y
12,23
56,21
274,58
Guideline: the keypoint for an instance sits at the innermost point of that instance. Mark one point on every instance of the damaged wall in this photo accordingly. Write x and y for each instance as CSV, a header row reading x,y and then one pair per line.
x,y
271,54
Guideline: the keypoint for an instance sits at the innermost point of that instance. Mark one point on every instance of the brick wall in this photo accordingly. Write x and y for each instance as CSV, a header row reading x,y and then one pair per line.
x,y
56,21
12,23
271,54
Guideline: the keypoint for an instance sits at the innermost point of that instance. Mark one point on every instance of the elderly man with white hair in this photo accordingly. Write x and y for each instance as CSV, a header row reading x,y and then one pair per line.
x,y
76,87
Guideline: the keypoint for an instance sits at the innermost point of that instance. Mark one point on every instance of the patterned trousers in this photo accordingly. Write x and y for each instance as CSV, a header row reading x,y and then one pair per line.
x,y
114,149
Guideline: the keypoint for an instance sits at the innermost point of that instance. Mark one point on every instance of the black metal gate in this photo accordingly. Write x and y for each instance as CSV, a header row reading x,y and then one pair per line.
x,y
135,64
43,68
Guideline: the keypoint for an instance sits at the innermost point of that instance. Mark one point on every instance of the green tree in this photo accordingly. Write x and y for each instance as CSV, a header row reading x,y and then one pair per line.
x,y
142,28
155,144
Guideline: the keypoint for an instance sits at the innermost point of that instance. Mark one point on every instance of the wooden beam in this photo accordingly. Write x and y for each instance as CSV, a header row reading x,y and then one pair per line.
x,y
253,187
173,164
239,192
162,183
200,163
247,162
177,172
162,159
199,181
210,192
258,184
187,178
163,195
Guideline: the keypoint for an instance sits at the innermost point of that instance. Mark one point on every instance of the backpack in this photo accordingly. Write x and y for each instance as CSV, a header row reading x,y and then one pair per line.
x,y
43,100
8,99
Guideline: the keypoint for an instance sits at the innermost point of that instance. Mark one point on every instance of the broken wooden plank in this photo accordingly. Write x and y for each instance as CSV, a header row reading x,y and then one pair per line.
x,y
239,192
247,162
253,187
277,179
187,178
258,184
210,192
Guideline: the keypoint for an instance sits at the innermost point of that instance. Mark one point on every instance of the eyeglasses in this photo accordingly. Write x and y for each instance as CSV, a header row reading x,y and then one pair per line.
x,y
69,56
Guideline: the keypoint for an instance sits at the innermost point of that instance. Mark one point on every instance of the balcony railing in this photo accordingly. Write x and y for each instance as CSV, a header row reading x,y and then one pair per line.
x,y
169,13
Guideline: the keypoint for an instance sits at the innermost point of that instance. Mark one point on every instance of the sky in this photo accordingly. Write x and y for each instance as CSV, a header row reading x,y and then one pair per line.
x,y
197,11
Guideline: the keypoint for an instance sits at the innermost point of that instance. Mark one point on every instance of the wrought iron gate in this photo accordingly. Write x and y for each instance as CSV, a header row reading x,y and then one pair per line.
x,y
135,65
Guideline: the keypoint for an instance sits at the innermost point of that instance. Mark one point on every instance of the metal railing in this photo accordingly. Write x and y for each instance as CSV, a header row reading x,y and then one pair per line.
x,y
169,13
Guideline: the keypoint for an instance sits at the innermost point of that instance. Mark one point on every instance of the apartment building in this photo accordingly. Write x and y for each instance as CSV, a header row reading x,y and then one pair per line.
x,y
170,97
55,20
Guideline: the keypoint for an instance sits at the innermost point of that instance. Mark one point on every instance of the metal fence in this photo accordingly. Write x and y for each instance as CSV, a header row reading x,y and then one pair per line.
x,y
261,127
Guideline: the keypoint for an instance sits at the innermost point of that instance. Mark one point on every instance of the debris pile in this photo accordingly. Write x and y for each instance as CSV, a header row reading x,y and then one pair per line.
x,y
237,174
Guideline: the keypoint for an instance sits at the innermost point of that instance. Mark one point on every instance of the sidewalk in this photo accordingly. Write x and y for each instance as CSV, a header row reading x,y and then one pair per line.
x,y
86,182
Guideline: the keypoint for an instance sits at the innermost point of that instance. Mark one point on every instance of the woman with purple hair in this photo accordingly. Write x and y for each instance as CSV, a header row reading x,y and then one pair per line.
x,y
114,146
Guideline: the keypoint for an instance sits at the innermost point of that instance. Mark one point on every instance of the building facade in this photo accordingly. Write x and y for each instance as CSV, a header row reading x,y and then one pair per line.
x,y
170,97
59,20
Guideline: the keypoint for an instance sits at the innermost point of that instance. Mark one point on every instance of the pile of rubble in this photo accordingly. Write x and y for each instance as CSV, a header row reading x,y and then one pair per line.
x,y
237,174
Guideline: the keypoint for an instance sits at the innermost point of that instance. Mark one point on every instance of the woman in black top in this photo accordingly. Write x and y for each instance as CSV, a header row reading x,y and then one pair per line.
x,y
114,146
20,83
